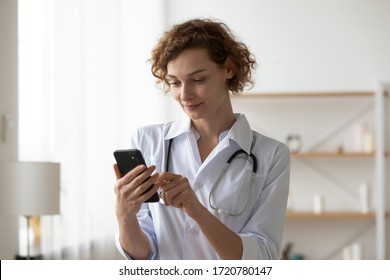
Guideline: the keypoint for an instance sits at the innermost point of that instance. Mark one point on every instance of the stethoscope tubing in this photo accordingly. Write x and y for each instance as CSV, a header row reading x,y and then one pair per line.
x,y
226,167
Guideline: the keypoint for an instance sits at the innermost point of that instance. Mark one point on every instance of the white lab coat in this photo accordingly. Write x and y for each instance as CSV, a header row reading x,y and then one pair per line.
x,y
174,235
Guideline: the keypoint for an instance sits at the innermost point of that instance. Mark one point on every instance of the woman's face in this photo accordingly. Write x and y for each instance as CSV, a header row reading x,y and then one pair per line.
x,y
199,85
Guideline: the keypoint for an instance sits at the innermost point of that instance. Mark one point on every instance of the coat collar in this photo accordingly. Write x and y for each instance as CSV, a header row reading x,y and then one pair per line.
x,y
241,132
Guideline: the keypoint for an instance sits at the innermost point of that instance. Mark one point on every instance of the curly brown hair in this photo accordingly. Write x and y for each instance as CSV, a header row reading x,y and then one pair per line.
x,y
216,38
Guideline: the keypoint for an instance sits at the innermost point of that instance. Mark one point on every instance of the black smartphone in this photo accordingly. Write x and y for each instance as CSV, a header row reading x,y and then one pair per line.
x,y
128,160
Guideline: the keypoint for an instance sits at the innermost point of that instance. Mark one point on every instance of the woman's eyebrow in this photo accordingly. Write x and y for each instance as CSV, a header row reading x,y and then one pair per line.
x,y
189,75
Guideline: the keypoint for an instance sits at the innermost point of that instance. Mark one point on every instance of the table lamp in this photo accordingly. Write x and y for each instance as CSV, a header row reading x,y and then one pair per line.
x,y
29,189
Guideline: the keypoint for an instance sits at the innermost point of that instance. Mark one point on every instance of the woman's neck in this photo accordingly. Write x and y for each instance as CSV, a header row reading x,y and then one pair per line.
x,y
210,131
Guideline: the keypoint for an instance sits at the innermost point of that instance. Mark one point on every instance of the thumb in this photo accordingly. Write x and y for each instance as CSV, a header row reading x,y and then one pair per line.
x,y
117,172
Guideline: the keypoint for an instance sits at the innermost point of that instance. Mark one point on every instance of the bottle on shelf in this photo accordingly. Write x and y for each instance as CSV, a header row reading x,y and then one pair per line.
x,y
364,196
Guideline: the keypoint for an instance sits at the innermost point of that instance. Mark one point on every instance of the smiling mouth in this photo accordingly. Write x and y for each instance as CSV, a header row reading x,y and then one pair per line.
x,y
191,107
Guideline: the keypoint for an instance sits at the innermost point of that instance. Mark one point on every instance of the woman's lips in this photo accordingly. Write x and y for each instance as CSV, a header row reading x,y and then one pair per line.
x,y
191,107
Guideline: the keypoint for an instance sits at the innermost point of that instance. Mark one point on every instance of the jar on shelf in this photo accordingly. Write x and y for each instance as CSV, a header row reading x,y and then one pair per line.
x,y
294,142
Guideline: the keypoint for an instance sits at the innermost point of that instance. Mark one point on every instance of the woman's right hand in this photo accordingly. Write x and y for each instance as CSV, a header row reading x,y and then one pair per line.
x,y
129,190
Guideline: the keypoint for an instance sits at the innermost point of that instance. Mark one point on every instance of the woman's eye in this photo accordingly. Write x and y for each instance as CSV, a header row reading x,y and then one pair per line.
x,y
198,80
174,83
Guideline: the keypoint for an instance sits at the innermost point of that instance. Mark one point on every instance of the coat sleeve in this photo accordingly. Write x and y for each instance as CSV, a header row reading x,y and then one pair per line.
x,y
144,218
262,235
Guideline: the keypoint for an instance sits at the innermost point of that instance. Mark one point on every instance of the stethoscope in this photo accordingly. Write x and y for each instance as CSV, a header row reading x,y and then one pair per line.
x,y
214,187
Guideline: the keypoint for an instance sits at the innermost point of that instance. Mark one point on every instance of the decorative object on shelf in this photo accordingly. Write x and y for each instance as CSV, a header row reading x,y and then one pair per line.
x,y
288,255
364,195
347,253
29,189
352,252
297,256
287,251
356,249
294,142
364,138
369,143
318,203
359,131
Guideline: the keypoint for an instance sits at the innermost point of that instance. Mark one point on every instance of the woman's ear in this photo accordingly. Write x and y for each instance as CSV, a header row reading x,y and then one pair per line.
x,y
229,68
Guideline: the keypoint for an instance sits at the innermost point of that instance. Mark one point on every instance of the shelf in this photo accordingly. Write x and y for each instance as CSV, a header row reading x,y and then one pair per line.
x,y
329,215
331,154
335,154
309,94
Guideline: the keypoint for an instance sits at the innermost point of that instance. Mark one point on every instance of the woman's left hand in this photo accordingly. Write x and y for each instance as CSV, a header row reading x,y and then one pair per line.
x,y
176,191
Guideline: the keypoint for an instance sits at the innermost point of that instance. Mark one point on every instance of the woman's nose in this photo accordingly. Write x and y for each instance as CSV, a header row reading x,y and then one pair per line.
x,y
186,92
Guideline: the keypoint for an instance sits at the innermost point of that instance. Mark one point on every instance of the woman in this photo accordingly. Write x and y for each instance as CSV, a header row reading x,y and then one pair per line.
x,y
238,215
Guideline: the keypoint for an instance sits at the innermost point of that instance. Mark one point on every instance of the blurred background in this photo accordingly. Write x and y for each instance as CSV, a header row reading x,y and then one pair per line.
x,y
75,84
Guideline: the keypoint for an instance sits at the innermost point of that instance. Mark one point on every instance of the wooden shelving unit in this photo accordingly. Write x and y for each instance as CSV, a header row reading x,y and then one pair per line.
x,y
377,98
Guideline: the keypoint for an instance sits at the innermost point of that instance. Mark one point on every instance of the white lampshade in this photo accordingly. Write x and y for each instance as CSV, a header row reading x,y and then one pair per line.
x,y
29,188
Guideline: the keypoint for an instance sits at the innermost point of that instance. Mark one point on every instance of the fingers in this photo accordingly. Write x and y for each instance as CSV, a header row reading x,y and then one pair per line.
x,y
132,189
167,181
174,191
165,177
136,181
142,177
146,189
173,184
171,197
132,174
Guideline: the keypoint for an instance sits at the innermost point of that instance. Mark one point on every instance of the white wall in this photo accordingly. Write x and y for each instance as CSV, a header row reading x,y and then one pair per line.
x,y
309,46
8,105
305,44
